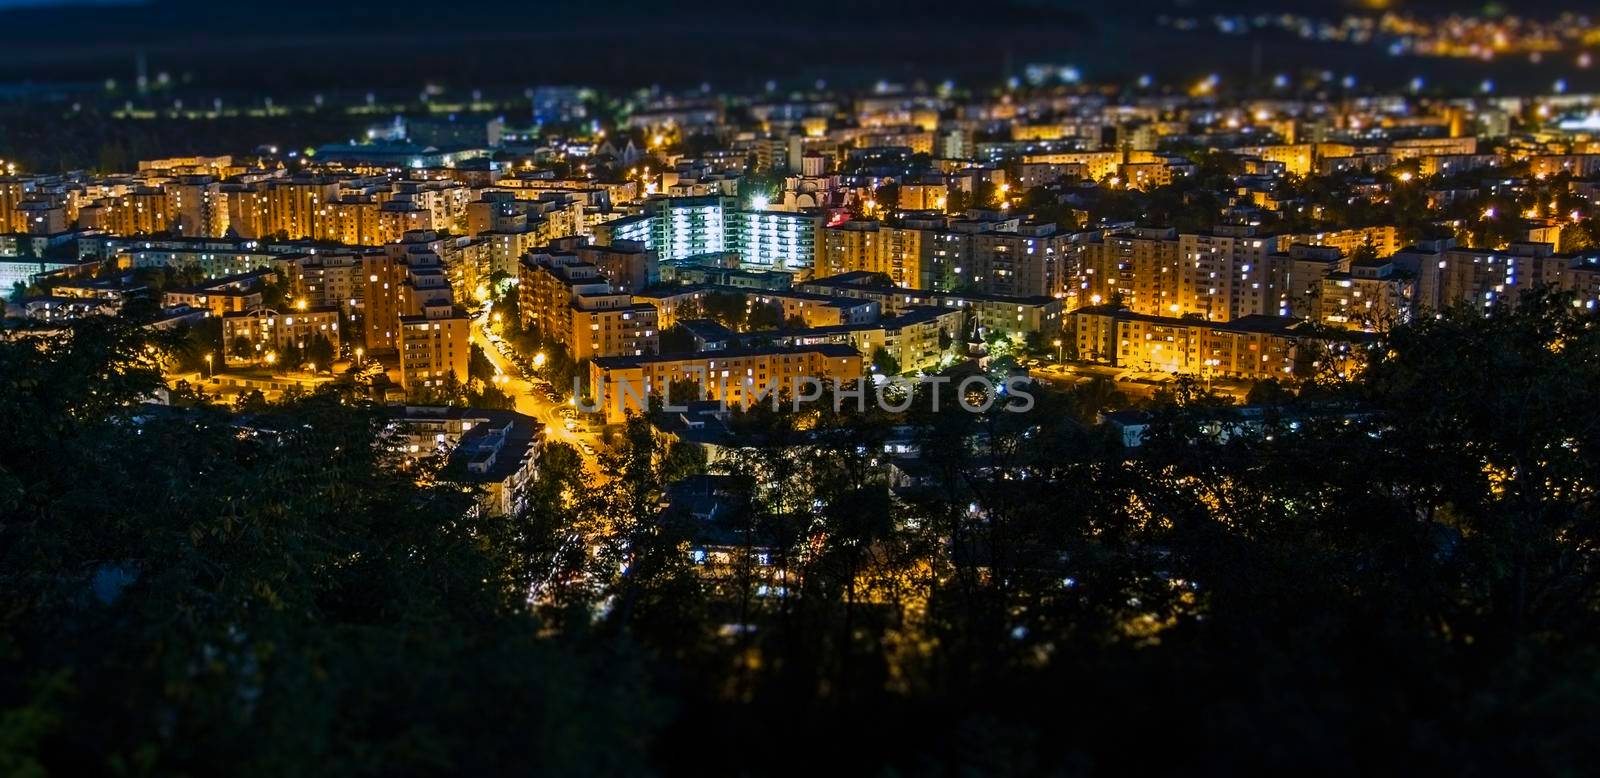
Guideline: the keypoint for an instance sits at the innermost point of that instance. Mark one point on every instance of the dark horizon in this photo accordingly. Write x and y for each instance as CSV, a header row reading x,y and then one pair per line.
x,y
407,43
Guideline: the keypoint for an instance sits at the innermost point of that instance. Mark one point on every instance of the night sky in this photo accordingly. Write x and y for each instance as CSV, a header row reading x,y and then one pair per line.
x,y
301,44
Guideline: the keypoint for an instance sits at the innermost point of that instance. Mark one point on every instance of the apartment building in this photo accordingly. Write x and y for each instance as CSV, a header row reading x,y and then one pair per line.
x,y
1137,268
815,310
916,339
1373,296
1384,240
995,257
1158,272
571,302
622,385
260,337
671,301
495,451
409,309
329,278
986,313
1252,347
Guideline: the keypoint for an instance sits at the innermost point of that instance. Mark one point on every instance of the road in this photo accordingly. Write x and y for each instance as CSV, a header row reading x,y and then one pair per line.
x,y
532,401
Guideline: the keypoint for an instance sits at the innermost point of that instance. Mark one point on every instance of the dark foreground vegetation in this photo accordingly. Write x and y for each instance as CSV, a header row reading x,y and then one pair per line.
x,y
1405,581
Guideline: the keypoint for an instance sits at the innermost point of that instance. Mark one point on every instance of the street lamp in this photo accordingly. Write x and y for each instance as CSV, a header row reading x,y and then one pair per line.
x,y
539,359
1059,354
208,364
359,352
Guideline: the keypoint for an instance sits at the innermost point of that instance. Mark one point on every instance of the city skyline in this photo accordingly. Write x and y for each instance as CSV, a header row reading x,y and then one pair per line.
x,y
1024,388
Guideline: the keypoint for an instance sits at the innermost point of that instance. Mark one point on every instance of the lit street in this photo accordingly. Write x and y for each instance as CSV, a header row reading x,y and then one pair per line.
x,y
532,401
